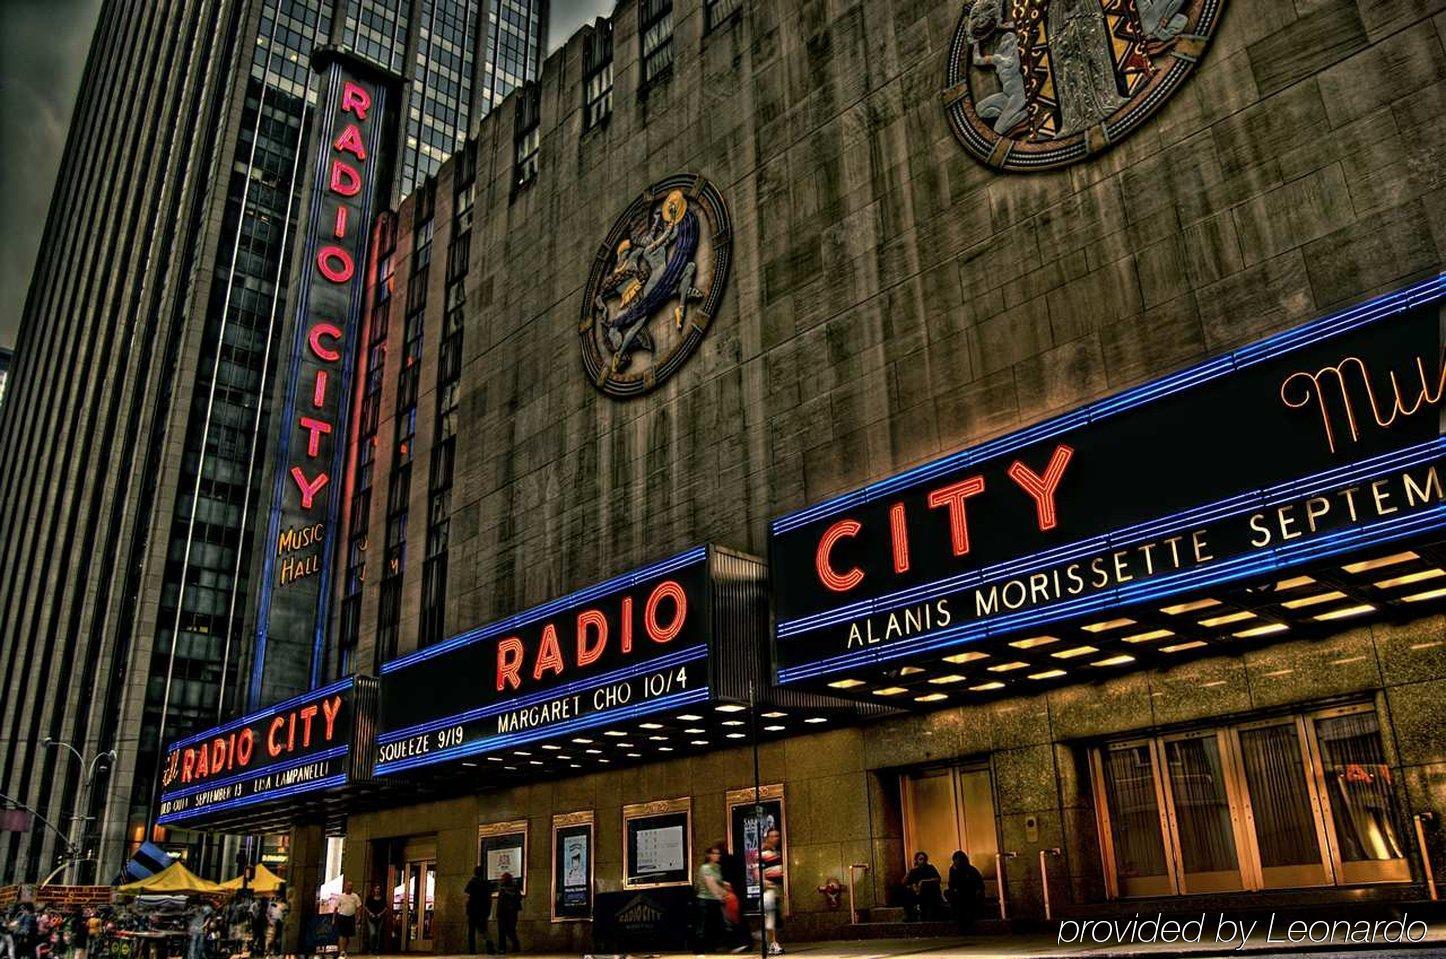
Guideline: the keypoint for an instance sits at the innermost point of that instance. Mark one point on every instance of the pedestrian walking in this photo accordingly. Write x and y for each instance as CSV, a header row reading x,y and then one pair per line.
x,y
348,904
376,910
770,867
709,891
276,914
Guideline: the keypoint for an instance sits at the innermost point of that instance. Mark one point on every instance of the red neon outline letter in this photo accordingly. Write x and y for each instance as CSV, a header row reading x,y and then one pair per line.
x,y
345,180
1041,488
335,263
953,496
627,638
549,654
587,655
509,661
830,577
316,430
899,533
350,141
667,588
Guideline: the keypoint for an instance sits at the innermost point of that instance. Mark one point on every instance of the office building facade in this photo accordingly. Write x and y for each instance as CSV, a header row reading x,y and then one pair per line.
x,y
150,361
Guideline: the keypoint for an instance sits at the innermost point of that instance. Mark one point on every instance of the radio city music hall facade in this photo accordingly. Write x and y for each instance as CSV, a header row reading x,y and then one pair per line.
x,y
1032,466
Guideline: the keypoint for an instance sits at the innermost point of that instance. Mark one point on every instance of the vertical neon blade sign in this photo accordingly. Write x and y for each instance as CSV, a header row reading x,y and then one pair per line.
x,y
301,540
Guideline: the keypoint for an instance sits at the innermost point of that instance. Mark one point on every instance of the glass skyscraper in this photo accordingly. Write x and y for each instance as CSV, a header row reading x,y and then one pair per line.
x,y
149,350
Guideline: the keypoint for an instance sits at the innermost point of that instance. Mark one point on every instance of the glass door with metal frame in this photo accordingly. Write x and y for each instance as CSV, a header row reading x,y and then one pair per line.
x,y
952,809
1288,802
414,898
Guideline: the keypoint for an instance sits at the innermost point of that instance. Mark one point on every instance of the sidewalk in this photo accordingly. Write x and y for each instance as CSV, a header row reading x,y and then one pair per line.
x,y
1043,945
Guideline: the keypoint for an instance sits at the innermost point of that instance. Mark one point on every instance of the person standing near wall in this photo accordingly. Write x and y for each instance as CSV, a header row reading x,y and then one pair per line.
x,y
509,906
376,910
348,904
479,910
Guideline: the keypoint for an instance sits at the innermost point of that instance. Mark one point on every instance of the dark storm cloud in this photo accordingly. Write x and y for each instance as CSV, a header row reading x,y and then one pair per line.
x,y
42,53
568,15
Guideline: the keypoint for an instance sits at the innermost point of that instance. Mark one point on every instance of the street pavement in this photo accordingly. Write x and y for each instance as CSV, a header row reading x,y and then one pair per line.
x,y
1045,946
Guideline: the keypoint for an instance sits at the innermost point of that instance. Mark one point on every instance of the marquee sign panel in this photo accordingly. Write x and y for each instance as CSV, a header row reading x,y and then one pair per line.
x,y
1315,442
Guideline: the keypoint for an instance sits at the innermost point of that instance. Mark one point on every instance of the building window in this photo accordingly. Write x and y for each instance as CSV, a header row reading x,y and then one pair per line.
x,y
527,134
597,71
656,29
716,12
1293,801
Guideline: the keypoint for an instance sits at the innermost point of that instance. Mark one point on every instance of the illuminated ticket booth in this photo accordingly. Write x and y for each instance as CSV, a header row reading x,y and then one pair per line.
x,y
1288,492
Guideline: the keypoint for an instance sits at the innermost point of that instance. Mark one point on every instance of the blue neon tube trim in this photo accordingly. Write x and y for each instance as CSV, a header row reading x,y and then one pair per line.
x,y
1140,532
1426,291
274,768
1241,567
327,783
686,655
590,721
550,608
339,686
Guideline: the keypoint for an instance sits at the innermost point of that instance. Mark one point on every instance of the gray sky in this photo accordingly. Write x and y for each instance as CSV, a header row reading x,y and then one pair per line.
x,y
42,53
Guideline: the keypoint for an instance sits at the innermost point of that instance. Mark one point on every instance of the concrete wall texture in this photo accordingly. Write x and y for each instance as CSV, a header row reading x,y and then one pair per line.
x,y
892,300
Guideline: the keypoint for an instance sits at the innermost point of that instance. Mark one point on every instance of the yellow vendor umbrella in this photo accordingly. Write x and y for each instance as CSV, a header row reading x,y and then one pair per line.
x,y
174,878
265,883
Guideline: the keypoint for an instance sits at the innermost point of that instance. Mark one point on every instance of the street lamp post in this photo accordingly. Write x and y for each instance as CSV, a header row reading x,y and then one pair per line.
x,y
76,838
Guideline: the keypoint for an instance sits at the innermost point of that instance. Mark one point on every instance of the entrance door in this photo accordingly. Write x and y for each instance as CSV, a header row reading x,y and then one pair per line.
x,y
414,894
951,809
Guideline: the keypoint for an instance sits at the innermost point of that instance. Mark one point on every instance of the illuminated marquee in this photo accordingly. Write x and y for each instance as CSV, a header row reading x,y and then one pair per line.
x,y
638,644
311,446
301,745
1309,444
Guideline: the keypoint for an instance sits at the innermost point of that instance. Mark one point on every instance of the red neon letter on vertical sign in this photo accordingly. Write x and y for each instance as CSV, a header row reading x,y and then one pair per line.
x,y
953,496
345,180
834,580
315,429
1041,488
308,487
355,100
313,339
335,264
350,141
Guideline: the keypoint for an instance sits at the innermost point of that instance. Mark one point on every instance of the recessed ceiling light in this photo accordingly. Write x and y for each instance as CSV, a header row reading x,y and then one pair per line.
x,y
730,708
731,722
513,768
1294,583
695,730
1269,629
614,732
604,760
1032,642
1417,577
946,680
1147,636
574,766
582,741
1367,565
1227,618
845,683
470,765
550,746
816,719
774,715
594,752
930,698
665,749
635,755
773,729
1181,647
960,658
625,745
737,735
1312,600
1189,607
1345,612
1047,674
1119,660
1007,667
699,742
649,726
985,687
563,756
521,752
1107,625
689,717
535,762
495,759
890,691
1422,597
1076,651
658,739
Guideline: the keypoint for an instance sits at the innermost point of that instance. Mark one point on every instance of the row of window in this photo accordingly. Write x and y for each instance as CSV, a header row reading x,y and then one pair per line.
x,y
656,30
